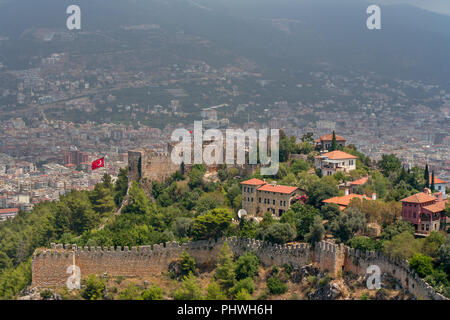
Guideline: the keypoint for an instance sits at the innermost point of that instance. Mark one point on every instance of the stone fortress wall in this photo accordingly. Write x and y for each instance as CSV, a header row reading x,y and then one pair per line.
x,y
50,266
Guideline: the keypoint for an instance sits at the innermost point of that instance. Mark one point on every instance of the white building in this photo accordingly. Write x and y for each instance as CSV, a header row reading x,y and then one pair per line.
x,y
335,161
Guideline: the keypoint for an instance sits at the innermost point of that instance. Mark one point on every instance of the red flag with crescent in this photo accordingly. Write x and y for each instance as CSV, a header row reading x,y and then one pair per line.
x,y
99,163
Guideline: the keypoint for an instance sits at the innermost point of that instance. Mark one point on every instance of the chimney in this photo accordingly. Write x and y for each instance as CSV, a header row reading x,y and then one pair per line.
x,y
347,191
364,197
426,191
439,196
374,196
274,183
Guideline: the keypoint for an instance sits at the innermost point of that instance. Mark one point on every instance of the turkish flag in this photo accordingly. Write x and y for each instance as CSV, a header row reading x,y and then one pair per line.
x,y
99,163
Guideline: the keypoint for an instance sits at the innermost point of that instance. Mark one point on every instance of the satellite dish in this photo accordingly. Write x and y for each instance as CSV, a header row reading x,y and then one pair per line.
x,y
242,213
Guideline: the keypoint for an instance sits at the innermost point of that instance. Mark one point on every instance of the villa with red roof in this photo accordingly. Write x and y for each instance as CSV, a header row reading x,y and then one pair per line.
x,y
324,142
345,200
259,197
335,161
425,211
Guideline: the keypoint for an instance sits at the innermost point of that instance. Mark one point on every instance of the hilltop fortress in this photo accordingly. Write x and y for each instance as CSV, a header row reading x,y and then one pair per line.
x,y
144,164
50,266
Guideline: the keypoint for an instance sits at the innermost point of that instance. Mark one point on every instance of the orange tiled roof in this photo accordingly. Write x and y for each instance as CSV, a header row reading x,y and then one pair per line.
x,y
437,207
437,180
11,210
344,201
329,137
337,155
253,182
277,189
359,182
419,198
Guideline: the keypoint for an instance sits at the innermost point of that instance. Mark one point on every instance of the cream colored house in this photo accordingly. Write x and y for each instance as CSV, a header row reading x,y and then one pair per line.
x,y
335,161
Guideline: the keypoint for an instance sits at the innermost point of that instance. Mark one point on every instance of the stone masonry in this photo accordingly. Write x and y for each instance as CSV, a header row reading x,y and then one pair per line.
x,y
50,266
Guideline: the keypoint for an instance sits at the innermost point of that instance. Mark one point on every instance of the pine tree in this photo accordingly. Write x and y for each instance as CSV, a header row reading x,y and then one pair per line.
x,y
432,181
427,176
333,142
225,274
183,168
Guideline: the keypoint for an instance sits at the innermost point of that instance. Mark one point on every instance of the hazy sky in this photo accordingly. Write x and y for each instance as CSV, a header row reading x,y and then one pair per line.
x,y
440,6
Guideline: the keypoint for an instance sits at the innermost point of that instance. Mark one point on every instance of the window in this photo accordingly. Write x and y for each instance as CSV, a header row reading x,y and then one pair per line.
x,y
350,162
259,200
284,203
273,202
281,203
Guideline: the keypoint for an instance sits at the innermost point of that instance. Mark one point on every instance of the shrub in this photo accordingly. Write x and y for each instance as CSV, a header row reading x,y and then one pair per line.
x,y
247,266
189,289
246,284
46,294
214,292
153,293
275,286
280,233
422,264
130,293
243,295
95,287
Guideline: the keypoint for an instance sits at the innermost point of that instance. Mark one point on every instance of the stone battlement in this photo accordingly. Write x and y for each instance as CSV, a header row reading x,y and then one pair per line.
x,y
50,265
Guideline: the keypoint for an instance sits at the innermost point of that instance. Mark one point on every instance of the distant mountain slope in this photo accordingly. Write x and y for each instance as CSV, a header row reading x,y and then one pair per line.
x,y
413,43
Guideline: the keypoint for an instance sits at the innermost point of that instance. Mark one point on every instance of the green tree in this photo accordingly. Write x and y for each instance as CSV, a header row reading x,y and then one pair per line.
x,y
212,224
131,292
432,243
363,244
247,266
402,246
389,164
94,288
121,186
153,293
427,176
187,264
225,274
444,254
276,286
334,146
102,198
395,229
349,223
189,289
214,292
322,190
242,295
433,187
279,233
316,231
247,284
422,264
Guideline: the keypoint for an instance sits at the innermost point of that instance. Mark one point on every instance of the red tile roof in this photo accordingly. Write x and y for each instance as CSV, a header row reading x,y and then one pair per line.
x,y
437,207
337,155
11,210
253,182
437,180
277,189
359,182
329,137
344,201
419,198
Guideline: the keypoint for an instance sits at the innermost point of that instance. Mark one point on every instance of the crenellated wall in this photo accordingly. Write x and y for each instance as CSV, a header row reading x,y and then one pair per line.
x,y
49,266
